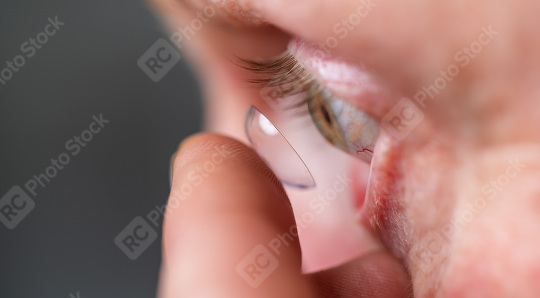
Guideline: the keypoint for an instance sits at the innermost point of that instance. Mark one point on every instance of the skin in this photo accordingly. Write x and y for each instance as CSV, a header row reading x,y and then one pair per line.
x,y
454,204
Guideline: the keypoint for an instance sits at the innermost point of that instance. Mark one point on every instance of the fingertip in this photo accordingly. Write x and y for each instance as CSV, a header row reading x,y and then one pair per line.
x,y
224,203
202,146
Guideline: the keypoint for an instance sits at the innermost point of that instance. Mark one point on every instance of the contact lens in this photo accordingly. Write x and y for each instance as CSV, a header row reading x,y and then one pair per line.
x,y
276,151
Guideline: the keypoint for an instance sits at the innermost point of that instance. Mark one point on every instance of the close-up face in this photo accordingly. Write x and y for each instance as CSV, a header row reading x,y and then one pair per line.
x,y
431,112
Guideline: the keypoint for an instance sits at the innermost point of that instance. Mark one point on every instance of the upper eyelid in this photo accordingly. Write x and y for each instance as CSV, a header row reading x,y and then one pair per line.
x,y
286,74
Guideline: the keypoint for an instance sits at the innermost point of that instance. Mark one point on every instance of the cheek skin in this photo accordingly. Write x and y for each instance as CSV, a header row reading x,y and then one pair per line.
x,y
429,178
467,218
494,231
412,193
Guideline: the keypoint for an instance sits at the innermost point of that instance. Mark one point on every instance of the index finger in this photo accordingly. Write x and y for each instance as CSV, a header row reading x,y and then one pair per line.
x,y
225,209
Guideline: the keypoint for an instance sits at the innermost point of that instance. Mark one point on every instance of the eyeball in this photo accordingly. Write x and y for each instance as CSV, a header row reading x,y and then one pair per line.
x,y
276,151
348,128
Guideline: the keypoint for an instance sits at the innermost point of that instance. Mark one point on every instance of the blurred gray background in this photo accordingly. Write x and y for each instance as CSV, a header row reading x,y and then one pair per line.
x,y
59,240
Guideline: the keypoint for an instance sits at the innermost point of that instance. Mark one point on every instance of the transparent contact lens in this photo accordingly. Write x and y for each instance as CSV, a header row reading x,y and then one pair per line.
x,y
272,146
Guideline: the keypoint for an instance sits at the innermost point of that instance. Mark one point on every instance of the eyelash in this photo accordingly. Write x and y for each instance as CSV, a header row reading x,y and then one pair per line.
x,y
285,75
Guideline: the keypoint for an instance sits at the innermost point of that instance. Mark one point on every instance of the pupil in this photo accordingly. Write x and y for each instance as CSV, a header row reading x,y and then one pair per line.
x,y
326,114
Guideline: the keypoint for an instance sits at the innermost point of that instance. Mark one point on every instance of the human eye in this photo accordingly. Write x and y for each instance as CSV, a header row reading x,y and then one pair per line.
x,y
344,125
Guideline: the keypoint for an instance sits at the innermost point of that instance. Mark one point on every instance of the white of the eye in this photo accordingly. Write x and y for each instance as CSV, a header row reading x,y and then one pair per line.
x,y
266,126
